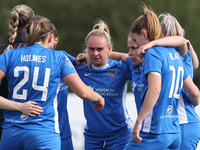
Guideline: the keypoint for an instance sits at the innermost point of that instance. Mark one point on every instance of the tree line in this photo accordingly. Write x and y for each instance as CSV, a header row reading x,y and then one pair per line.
x,y
75,18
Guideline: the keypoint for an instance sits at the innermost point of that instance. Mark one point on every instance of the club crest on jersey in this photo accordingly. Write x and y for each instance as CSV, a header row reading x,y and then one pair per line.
x,y
169,109
112,73
24,117
69,62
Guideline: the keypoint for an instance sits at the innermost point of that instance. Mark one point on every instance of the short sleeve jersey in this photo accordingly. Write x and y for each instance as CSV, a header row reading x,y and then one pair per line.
x,y
111,83
163,118
33,73
186,110
136,83
20,41
64,125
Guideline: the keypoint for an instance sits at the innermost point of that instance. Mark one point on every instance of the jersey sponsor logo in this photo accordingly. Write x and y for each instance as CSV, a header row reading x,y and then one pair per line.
x,y
112,73
133,86
24,117
63,86
169,109
105,91
137,87
91,87
87,74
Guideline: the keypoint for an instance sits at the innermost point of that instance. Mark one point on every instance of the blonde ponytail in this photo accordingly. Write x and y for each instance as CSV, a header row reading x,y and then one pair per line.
x,y
19,17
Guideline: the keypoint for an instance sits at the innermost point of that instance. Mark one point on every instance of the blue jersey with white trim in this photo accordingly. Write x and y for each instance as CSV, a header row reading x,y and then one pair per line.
x,y
33,73
136,83
186,110
110,82
64,125
163,118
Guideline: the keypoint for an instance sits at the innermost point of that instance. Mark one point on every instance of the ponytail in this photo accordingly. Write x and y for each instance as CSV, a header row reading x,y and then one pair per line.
x,y
150,22
19,17
38,29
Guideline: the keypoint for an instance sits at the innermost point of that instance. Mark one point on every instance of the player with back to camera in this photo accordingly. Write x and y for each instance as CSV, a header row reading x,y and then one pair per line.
x,y
33,73
157,125
19,17
17,39
188,118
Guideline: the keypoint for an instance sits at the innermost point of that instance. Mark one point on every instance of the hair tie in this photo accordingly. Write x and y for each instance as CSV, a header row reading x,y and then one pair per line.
x,y
46,33
23,26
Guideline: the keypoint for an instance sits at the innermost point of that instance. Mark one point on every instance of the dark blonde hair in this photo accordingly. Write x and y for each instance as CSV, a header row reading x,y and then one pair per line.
x,y
150,22
19,17
54,31
38,29
170,25
99,29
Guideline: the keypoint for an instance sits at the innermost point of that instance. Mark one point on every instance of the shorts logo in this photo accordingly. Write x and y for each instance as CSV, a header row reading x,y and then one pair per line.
x,y
170,109
24,117
112,73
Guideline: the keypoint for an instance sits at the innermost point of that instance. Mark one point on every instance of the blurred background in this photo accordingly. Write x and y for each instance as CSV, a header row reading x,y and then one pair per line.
x,y
75,18
77,120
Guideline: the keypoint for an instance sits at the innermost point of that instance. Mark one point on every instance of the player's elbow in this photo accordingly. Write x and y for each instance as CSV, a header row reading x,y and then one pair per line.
x,y
155,91
195,65
195,98
82,94
86,94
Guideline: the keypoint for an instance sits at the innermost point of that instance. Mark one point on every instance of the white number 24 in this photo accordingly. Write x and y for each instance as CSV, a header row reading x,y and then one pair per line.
x,y
173,92
43,88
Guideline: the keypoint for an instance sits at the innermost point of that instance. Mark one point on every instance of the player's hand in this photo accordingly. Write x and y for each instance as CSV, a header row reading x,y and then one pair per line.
x,y
80,57
142,49
31,108
136,131
99,104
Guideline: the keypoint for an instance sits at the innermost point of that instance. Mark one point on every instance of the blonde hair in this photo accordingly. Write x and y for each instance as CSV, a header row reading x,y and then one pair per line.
x,y
170,25
38,29
150,22
19,17
99,29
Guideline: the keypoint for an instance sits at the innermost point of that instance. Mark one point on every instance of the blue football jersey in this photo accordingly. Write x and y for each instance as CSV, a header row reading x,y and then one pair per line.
x,y
33,73
64,125
136,83
163,118
110,82
186,110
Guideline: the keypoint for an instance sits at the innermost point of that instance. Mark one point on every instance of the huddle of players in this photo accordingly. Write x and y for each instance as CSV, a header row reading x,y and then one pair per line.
x,y
38,87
